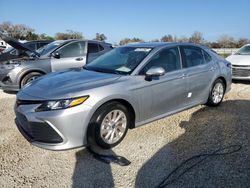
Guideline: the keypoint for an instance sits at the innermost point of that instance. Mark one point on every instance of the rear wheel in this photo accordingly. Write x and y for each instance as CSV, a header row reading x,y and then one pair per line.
x,y
29,78
217,93
108,125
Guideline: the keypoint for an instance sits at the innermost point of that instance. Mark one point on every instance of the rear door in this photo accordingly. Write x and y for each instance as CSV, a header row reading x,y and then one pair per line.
x,y
199,72
72,55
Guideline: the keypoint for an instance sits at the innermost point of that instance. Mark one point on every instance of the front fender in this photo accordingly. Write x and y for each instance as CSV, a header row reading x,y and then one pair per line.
x,y
126,98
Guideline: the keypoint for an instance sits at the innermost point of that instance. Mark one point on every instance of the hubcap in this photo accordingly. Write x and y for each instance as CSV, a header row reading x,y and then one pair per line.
x,y
113,126
31,79
217,93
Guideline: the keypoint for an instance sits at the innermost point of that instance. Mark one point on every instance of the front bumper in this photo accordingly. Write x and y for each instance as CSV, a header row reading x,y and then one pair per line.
x,y
241,72
54,130
8,86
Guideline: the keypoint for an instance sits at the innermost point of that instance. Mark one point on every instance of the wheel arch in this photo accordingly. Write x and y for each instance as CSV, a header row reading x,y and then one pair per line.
x,y
26,72
124,102
224,81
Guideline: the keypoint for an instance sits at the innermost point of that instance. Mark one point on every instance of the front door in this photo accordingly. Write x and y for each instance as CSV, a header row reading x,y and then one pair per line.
x,y
167,93
72,55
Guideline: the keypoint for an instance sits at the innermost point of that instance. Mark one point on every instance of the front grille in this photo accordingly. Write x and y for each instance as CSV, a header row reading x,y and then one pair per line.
x,y
26,102
241,65
38,131
241,72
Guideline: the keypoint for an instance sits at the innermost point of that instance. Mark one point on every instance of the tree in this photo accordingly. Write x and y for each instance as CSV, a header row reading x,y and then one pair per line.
x,y
241,42
196,37
226,41
18,31
128,40
31,36
44,36
100,37
69,34
167,38
182,39
155,40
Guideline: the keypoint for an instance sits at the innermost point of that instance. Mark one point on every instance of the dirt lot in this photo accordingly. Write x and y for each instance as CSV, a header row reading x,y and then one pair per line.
x,y
154,150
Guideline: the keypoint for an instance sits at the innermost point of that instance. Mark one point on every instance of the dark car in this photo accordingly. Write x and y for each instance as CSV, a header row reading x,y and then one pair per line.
x,y
56,56
19,50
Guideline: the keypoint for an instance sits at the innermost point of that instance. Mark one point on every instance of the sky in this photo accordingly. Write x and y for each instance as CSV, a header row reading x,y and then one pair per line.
x,y
131,18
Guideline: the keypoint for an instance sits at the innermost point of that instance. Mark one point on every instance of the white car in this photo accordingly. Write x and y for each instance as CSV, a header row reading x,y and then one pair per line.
x,y
241,63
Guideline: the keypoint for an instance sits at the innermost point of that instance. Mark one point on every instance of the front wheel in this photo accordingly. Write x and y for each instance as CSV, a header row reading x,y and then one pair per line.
x,y
108,125
217,93
29,78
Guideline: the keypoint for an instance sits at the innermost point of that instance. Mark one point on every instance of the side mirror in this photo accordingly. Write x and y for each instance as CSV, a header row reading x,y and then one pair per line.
x,y
56,55
154,72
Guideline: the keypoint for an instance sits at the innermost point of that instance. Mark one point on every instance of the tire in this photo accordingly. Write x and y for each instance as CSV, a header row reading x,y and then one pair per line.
x,y
29,77
100,125
219,90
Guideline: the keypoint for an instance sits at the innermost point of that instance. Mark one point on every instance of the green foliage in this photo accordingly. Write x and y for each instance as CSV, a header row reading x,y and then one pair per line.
x,y
167,38
100,37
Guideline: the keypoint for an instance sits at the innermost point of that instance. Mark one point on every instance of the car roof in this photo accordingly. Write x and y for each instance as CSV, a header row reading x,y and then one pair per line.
x,y
159,44
96,41
36,41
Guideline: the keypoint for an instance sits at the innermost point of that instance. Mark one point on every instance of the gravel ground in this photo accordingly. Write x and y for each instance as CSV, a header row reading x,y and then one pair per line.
x,y
154,151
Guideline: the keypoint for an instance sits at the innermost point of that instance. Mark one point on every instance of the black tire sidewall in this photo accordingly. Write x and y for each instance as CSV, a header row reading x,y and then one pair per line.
x,y
93,135
210,99
27,77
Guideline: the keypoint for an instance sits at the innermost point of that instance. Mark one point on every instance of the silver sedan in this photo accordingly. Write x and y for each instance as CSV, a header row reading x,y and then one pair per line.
x,y
120,90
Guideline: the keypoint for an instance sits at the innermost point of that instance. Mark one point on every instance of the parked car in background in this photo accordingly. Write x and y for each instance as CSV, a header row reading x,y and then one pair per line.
x,y
2,46
241,63
124,88
55,56
19,50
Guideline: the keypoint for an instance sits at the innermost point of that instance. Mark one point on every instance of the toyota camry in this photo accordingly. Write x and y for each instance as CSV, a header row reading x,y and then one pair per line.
x,y
125,88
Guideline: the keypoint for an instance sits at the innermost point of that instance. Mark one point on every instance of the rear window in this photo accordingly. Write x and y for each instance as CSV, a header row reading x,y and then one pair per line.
x,y
207,57
93,48
192,56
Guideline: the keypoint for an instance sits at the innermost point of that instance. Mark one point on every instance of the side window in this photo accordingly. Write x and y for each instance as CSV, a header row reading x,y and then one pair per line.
x,y
168,59
74,49
207,57
192,56
100,47
32,46
41,44
93,48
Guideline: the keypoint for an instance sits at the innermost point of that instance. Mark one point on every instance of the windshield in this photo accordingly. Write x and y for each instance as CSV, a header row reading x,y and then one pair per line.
x,y
245,50
49,47
121,60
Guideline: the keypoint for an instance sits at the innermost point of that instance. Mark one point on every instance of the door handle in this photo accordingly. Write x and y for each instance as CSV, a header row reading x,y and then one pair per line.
x,y
183,76
79,59
212,69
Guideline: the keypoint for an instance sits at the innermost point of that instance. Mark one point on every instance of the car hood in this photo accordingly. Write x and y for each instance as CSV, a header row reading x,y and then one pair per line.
x,y
65,84
239,59
15,44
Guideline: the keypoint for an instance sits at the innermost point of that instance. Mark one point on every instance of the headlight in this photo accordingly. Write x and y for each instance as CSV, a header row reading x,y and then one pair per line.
x,y
61,104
